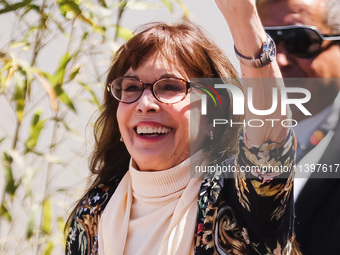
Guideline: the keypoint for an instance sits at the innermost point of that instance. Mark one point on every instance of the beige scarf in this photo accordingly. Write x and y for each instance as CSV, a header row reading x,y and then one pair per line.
x,y
151,213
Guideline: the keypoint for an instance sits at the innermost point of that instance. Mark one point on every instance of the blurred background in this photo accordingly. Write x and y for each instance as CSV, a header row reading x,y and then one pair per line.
x,y
54,56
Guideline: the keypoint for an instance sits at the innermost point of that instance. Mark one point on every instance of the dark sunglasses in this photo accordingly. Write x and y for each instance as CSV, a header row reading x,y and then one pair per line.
x,y
300,40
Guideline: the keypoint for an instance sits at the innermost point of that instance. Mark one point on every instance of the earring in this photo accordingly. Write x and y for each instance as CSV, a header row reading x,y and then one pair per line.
x,y
211,135
121,139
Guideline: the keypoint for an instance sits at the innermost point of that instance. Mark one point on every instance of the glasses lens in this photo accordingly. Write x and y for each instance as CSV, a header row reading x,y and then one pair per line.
x,y
304,42
301,41
170,90
126,90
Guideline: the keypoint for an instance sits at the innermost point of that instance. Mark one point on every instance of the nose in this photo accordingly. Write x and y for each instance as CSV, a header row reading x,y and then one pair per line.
x,y
282,57
147,102
282,60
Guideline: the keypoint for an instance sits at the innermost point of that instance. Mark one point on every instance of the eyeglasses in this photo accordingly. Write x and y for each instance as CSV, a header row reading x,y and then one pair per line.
x,y
300,40
166,90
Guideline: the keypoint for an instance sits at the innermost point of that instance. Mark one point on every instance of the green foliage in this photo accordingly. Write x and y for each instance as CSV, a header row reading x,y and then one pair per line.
x,y
4,213
14,7
49,248
52,71
35,130
124,33
10,186
47,216
94,100
32,221
169,4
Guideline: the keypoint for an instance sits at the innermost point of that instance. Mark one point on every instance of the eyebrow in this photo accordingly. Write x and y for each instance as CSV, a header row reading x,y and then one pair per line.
x,y
132,76
166,75
169,75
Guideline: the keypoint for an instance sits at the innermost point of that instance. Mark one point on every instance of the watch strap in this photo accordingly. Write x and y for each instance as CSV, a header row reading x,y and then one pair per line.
x,y
262,61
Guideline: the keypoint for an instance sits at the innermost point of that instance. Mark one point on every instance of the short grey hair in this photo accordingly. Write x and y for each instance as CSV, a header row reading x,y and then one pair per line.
x,y
332,15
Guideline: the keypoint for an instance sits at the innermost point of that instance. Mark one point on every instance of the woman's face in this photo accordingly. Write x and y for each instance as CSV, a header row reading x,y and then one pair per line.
x,y
159,151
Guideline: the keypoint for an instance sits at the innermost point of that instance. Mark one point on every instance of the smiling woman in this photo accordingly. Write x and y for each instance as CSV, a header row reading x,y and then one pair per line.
x,y
139,122
143,200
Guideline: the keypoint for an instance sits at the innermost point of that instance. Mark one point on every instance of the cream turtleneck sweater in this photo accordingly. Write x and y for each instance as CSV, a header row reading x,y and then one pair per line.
x,y
151,213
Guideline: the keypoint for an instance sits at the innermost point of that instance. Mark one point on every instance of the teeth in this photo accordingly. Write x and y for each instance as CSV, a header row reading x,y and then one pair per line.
x,y
152,130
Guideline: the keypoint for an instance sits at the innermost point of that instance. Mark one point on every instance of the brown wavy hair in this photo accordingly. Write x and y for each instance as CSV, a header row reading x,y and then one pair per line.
x,y
183,44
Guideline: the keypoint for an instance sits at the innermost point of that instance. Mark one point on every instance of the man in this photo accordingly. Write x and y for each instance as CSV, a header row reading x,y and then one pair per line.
x,y
303,54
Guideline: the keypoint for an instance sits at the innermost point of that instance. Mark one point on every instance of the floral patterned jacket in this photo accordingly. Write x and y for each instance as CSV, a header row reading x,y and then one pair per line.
x,y
247,213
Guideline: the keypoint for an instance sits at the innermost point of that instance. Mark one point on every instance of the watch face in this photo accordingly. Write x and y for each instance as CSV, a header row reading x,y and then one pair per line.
x,y
271,49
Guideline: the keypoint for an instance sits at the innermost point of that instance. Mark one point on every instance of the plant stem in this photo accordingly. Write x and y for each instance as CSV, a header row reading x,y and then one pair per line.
x,y
39,35
121,9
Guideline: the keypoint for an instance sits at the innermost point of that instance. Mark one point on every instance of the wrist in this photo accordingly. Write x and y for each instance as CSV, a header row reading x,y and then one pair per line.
x,y
267,55
249,37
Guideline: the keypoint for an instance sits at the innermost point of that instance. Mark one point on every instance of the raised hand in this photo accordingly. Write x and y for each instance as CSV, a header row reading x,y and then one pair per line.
x,y
249,38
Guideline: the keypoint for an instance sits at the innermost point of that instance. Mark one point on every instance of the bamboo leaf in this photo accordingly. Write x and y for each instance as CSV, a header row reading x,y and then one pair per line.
x,y
85,35
168,4
20,104
54,159
33,7
18,44
67,7
94,98
49,248
35,130
26,39
86,20
74,73
102,3
61,224
61,94
47,216
124,33
9,180
58,77
31,221
8,69
185,9
50,92
72,10
28,179
19,160
4,213
12,68
20,93
16,6
57,80
99,30
138,5
27,71
5,76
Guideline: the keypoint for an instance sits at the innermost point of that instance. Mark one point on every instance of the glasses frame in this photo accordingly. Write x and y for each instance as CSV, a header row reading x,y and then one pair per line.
x,y
151,86
323,37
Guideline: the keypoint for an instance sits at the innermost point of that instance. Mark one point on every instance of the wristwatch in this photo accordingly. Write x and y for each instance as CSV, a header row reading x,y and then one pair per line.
x,y
268,55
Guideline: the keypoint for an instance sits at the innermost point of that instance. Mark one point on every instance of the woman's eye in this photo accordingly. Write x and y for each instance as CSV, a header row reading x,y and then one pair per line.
x,y
132,88
171,87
